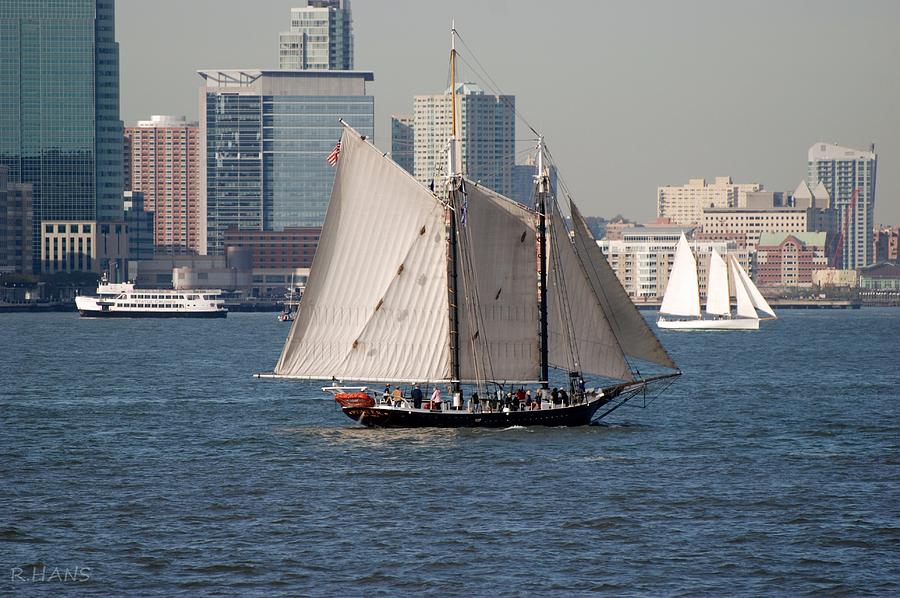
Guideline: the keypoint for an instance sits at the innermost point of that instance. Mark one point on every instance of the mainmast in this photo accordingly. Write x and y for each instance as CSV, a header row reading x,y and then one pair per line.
x,y
542,183
454,182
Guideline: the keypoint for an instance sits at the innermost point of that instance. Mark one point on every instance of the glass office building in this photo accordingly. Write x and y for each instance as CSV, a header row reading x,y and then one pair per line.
x,y
59,107
266,136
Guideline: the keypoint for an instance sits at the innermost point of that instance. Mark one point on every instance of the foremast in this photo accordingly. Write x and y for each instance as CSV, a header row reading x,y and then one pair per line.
x,y
542,188
454,191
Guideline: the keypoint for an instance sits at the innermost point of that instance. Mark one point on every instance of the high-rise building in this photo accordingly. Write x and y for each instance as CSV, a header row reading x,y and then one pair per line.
x,y
320,37
59,108
487,131
15,225
684,204
842,170
163,164
403,142
265,136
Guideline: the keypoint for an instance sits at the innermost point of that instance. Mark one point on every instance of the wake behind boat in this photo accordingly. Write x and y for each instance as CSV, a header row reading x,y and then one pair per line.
x,y
681,301
473,292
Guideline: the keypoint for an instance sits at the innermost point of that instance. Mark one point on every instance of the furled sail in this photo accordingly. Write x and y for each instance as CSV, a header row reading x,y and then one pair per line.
x,y
498,315
580,336
375,306
718,302
682,296
756,297
631,329
744,303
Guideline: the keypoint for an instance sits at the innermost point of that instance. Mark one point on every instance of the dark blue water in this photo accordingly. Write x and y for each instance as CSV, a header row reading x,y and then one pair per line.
x,y
145,452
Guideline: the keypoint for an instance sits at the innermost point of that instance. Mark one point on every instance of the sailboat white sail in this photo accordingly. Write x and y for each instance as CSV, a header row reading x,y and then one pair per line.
x,y
682,297
718,302
683,291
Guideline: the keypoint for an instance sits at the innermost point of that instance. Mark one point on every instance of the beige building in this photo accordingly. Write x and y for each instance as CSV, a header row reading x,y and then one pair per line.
x,y
750,223
684,204
85,246
642,259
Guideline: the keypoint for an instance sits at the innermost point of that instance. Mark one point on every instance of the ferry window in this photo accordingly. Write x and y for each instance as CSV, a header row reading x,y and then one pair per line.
x,y
60,228
48,228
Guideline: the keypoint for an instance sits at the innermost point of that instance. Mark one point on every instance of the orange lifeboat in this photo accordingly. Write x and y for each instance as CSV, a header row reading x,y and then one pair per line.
x,y
354,399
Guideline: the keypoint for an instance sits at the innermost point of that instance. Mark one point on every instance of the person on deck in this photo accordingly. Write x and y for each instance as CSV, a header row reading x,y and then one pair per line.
x,y
554,397
475,400
386,395
436,399
563,397
416,395
398,397
538,397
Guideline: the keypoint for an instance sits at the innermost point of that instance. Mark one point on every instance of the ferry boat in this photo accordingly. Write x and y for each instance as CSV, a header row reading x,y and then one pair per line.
x,y
122,300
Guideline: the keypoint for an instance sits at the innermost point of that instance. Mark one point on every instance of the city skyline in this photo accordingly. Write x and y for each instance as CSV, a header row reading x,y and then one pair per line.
x,y
681,95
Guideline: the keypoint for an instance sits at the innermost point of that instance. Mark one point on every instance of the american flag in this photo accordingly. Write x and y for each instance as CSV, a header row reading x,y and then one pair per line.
x,y
335,154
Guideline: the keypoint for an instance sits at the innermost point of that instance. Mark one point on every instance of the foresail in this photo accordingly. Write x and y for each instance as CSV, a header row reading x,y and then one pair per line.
x,y
375,305
631,329
575,312
718,302
756,297
682,296
744,303
497,292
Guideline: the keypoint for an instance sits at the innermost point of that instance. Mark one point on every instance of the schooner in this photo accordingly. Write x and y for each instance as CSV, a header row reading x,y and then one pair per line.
x,y
463,291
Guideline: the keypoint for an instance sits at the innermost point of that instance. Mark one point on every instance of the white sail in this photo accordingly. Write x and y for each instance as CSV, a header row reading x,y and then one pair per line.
x,y
575,312
376,305
497,295
631,329
682,296
718,302
744,303
756,297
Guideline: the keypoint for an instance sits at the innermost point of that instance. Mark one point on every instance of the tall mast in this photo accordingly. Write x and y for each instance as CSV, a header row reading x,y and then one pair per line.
x,y
542,183
454,177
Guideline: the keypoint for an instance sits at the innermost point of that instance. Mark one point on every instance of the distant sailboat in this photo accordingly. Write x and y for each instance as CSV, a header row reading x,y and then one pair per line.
x,y
682,297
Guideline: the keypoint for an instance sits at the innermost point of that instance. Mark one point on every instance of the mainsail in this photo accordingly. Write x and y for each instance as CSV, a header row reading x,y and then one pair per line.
x,y
375,306
497,307
718,302
632,332
682,297
580,336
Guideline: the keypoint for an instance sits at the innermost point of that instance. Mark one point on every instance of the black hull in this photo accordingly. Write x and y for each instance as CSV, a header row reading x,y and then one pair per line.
x,y
381,417
151,314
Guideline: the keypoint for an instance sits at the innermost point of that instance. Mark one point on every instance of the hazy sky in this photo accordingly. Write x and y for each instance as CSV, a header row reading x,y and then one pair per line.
x,y
629,95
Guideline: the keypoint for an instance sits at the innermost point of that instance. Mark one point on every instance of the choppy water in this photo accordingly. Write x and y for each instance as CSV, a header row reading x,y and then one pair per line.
x,y
144,451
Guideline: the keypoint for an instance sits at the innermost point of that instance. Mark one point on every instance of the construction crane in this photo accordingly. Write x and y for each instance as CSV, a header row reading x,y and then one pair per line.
x,y
840,243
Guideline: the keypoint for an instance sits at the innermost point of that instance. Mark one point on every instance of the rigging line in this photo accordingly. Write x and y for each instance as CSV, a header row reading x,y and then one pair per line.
x,y
617,330
493,87
470,282
496,87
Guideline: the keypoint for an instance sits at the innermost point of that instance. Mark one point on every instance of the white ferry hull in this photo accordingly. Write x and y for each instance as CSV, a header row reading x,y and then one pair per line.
x,y
724,324
124,305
